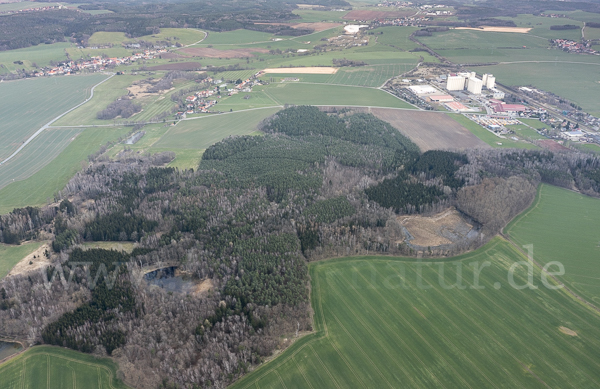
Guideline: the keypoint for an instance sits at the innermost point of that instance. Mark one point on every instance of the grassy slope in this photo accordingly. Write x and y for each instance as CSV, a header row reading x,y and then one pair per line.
x,y
11,255
40,55
371,332
487,136
563,226
26,105
198,134
57,368
40,187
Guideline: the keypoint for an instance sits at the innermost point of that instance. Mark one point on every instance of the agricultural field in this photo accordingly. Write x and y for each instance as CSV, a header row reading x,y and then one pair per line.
x,y
488,137
54,367
10,255
563,226
315,94
236,37
200,133
397,37
578,82
39,189
26,107
429,130
43,149
311,16
540,26
396,322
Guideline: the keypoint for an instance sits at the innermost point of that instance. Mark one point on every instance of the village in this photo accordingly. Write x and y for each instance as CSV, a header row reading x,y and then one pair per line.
x,y
584,47
96,63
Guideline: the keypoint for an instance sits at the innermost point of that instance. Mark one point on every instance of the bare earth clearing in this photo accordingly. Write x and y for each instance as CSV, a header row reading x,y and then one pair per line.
x,y
520,30
443,228
567,331
372,15
430,130
207,52
38,262
307,70
552,145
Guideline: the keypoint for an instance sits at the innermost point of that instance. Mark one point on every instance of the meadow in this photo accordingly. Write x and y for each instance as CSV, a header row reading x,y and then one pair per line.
x,y
395,322
315,94
488,137
54,368
26,106
11,255
563,226
200,133
39,189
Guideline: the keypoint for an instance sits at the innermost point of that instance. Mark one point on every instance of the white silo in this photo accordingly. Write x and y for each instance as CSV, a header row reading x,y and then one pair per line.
x,y
490,82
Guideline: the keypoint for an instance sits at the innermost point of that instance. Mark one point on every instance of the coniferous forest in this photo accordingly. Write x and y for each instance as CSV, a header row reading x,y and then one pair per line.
x,y
243,225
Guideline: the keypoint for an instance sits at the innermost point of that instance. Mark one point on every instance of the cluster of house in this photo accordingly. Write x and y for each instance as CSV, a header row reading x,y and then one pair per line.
x,y
574,46
36,9
96,63
199,102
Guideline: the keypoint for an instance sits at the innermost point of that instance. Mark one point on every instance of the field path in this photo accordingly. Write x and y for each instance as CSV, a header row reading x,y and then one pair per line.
x,y
32,137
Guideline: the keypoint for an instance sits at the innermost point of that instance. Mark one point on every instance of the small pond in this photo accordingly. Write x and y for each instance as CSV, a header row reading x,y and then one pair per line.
x,y
9,348
172,280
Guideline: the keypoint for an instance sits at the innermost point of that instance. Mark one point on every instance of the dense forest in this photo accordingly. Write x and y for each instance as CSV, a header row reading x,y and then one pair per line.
x,y
245,223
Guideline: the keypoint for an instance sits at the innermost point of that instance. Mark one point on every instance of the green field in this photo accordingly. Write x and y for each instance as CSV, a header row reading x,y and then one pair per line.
x,y
389,322
58,368
26,105
563,226
487,136
578,82
310,16
43,149
198,134
11,255
236,37
103,95
314,94
40,188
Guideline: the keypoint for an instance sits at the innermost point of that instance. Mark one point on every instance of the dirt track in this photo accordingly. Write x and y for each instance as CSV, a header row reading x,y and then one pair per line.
x,y
372,15
430,130
552,145
519,30
214,53
307,70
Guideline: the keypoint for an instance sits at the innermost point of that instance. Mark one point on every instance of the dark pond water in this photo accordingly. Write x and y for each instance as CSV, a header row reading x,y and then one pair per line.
x,y
8,348
169,279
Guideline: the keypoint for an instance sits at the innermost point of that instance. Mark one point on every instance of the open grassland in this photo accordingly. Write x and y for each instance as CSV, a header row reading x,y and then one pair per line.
x,y
40,188
37,154
316,94
588,147
184,36
58,368
385,322
397,37
29,104
535,123
311,16
430,130
109,245
4,7
578,82
39,55
563,226
103,95
540,26
236,37
257,99
200,133
489,137
11,255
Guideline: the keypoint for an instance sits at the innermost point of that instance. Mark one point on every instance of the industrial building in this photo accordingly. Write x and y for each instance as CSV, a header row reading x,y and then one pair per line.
x,y
423,90
474,85
455,82
441,98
